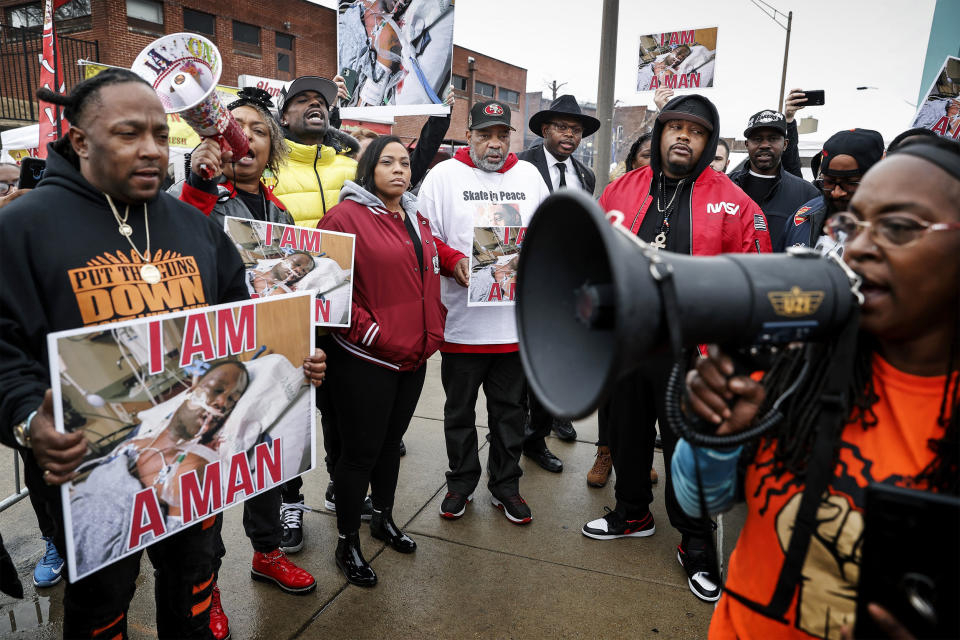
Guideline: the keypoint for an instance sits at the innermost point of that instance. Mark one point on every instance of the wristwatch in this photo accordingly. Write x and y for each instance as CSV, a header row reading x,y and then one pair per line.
x,y
21,432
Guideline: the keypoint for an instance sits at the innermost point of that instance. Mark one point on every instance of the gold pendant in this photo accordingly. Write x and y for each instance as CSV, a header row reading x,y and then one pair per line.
x,y
125,230
661,241
150,274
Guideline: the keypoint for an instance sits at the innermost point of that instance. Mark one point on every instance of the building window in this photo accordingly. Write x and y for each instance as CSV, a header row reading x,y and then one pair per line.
x,y
509,96
486,90
73,16
246,33
459,83
284,41
145,10
199,22
286,60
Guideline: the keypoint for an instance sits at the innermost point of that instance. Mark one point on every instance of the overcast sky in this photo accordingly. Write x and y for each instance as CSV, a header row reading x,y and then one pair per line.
x,y
836,45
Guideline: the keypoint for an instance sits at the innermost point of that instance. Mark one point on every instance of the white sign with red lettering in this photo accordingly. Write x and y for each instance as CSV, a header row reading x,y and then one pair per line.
x,y
271,85
185,414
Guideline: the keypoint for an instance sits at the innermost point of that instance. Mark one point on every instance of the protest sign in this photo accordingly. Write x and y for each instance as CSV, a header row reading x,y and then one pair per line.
x,y
682,59
940,112
282,258
185,414
497,238
396,57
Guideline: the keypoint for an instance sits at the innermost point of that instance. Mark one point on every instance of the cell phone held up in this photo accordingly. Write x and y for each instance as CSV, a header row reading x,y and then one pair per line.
x,y
31,172
815,98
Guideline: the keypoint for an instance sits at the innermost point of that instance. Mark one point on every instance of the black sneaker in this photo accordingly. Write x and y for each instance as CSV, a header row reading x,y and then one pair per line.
x,y
454,504
514,507
403,449
613,525
291,517
700,578
330,503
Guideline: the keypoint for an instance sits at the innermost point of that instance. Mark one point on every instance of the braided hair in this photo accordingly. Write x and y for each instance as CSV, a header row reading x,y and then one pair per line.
x,y
87,92
793,438
76,103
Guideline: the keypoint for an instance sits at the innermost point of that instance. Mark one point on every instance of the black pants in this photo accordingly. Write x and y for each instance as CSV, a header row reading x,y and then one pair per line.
x,y
33,479
540,422
630,415
183,582
501,376
373,406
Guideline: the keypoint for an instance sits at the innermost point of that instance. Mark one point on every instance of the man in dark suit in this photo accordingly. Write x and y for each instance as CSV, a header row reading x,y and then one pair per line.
x,y
562,127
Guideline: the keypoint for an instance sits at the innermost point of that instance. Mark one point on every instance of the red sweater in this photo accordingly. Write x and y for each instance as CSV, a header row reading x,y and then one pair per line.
x,y
397,316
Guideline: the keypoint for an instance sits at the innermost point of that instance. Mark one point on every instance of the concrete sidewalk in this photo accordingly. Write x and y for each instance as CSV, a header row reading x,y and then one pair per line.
x,y
479,576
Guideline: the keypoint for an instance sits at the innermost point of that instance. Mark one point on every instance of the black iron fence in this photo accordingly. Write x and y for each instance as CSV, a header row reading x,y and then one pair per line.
x,y
20,51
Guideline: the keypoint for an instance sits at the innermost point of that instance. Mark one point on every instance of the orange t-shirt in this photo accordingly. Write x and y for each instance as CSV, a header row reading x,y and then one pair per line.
x,y
893,451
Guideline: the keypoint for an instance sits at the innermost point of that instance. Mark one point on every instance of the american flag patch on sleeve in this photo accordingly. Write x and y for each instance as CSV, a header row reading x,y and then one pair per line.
x,y
759,222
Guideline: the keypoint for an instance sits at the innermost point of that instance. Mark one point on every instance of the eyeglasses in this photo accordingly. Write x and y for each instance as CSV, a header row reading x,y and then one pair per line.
x,y
563,128
828,184
895,230
6,187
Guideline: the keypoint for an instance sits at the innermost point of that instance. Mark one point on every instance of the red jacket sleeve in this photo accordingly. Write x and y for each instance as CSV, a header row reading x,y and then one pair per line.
x,y
198,198
449,257
754,236
363,329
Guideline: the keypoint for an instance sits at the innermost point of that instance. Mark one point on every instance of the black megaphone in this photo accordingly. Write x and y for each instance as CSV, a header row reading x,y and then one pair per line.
x,y
590,301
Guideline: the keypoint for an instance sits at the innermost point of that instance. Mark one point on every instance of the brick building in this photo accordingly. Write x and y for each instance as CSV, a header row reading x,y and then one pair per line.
x,y
485,78
280,39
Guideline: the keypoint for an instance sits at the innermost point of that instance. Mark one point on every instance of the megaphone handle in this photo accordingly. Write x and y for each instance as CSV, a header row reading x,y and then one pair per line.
x,y
206,172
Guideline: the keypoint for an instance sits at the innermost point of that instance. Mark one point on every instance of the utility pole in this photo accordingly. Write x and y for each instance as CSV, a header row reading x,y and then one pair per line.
x,y
608,72
772,13
554,87
786,52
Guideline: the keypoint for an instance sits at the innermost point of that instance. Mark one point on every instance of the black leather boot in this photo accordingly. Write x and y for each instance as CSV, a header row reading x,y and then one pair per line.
x,y
350,561
382,527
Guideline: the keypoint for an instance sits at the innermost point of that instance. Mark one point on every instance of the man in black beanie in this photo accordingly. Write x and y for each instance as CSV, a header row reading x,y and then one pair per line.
x,y
680,204
846,156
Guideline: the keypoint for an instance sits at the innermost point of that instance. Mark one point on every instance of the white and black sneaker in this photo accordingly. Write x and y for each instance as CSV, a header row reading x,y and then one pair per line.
x,y
700,578
614,525
514,507
454,504
291,517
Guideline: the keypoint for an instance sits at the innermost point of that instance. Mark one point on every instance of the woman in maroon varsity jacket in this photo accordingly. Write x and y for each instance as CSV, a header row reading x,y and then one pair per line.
x,y
396,324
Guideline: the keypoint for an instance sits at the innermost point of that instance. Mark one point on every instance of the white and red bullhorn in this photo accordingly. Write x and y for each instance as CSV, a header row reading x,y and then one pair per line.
x,y
184,68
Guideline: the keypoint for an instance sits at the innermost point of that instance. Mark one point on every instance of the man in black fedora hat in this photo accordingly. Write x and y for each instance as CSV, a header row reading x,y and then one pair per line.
x,y
562,127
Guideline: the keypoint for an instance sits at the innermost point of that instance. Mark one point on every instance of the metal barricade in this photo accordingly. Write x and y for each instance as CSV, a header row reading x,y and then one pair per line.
x,y
20,492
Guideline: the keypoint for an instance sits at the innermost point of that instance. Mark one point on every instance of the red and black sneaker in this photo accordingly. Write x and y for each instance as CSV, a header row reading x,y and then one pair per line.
x,y
275,567
514,507
454,504
219,624
614,525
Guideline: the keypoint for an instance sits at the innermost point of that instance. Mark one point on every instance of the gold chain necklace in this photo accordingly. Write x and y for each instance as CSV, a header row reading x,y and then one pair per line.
x,y
150,273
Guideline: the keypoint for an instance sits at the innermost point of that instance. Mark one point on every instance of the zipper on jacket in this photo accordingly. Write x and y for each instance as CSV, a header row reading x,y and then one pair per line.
x,y
323,200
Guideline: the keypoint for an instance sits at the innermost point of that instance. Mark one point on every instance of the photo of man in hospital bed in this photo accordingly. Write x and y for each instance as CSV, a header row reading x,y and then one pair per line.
x,y
276,268
222,413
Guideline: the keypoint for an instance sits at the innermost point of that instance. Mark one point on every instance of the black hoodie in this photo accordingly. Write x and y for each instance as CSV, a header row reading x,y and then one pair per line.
x,y
65,265
679,238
